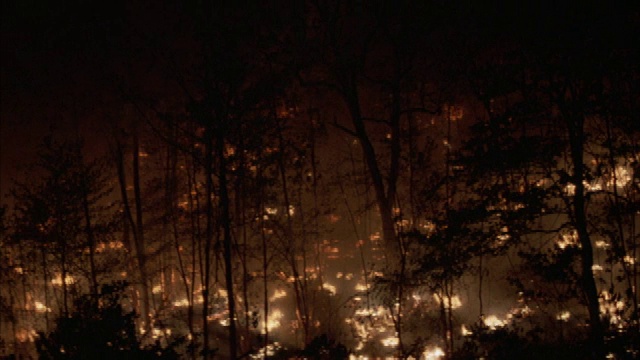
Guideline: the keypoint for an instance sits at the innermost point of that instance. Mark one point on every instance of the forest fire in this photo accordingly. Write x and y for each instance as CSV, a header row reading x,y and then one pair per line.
x,y
417,180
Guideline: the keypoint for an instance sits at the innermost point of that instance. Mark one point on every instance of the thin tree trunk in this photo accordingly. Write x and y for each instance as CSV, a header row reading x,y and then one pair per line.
x,y
91,243
291,253
480,280
139,229
240,208
444,324
208,163
450,317
195,236
265,284
46,291
226,241
172,205
63,271
265,262
623,251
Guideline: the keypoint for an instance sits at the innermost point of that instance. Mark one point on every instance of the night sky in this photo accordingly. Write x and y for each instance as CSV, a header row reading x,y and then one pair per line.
x,y
63,64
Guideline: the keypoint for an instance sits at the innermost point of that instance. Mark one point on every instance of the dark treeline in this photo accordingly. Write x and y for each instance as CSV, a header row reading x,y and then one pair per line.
x,y
325,179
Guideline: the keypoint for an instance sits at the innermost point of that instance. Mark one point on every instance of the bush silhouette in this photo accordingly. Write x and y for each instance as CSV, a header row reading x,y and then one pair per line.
x,y
99,328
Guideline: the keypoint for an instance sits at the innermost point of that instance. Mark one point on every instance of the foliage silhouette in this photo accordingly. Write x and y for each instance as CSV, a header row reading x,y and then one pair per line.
x,y
100,328
322,347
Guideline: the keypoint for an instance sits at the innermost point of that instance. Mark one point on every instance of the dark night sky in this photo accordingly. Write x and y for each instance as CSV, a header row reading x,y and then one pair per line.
x,y
58,67
59,59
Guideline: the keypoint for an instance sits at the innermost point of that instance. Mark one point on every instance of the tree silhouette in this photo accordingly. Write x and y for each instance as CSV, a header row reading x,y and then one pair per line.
x,y
99,327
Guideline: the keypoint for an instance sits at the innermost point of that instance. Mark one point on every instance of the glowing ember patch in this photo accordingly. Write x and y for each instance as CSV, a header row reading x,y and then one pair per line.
x,y
563,316
596,267
111,245
391,341
348,276
378,311
429,226
601,244
40,307
464,331
520,312
230,150
278,294
181,303
611,308
68,280
622,177
570,189
24,335
157,289
157,333
453,302
433,353
568,239
493,322
629,260
269,350
594,186
274,320
330,288
362,287
503,237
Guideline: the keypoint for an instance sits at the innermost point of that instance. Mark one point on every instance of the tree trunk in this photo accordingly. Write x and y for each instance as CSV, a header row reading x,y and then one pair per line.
x,y
91,243
226,240
298,287
576,139
382,195
208,163
137,245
